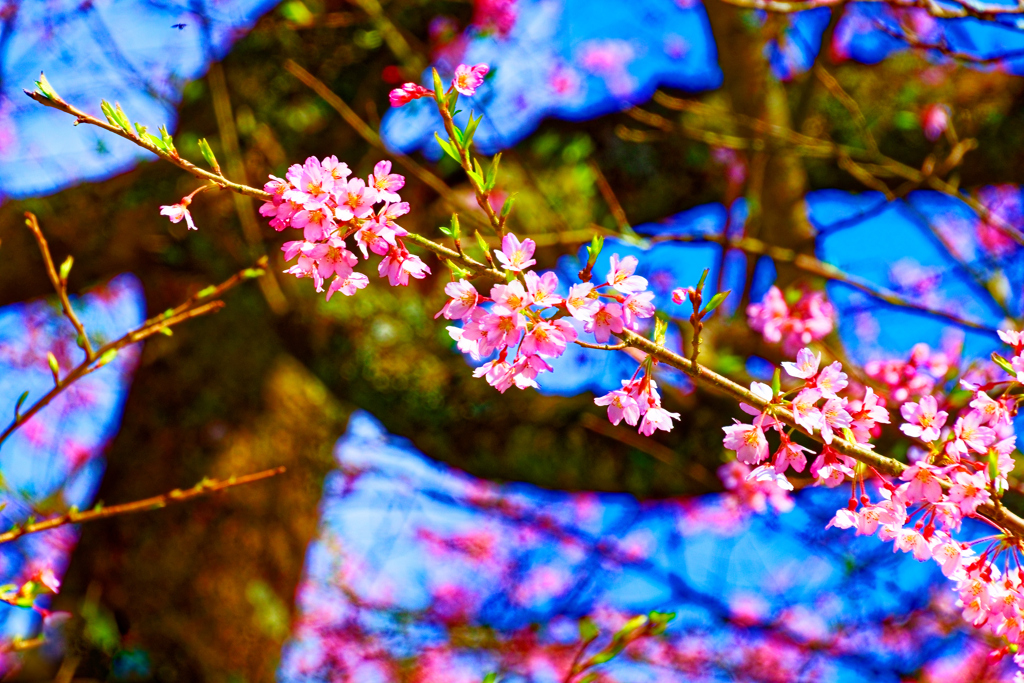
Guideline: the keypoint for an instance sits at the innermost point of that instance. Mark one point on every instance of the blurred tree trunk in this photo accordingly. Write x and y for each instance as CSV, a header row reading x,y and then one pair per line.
x,y
777,181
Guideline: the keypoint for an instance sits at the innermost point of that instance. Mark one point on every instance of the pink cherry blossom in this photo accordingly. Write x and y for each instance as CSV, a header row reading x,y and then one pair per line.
x,y
580,304
620,406
315,219
542,288
923,483
790,454
463,301
407,93
834,418
347,285
337,170
805,412
385,183
911,541
545,339
656,418
923,420
355,200
747,440
832,380
607,320
336,260
516,255
512,296
175,212
621,277
468,78
969,491
806,365
637,307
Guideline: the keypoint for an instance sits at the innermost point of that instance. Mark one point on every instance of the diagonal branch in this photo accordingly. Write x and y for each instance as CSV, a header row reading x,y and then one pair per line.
x,y
205,487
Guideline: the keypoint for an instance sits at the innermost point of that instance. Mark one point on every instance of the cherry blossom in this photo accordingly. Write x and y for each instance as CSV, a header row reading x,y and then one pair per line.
x,y
468,78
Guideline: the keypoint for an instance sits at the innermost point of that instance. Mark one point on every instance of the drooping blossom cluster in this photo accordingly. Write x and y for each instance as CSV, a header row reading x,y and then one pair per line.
x,y
527,323
807,321
321,199
960,461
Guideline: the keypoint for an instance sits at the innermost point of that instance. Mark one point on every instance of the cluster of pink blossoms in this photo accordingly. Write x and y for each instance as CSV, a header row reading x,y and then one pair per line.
x,y
466,80
321,199
809,320
515,326
914,377
963,464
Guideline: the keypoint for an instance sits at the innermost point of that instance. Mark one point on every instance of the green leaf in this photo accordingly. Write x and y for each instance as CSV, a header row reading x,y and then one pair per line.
x,y
492,174
208,155
250,273
594,250
438,89
65,268
54,366
156,142
703,276
506,208
108,111
490,678
140,129
106,358
1003,363
482,243
447,147
455,229
777,382
168,140
590,677
588,629
471,129
632,625
716,300
17,406
122,119
45,89
453,99
205,292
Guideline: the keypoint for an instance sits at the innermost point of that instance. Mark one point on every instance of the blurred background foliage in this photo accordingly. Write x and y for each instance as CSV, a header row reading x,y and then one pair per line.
x,y
203,592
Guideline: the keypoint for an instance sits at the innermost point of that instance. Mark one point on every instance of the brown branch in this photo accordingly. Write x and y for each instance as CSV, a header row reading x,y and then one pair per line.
x,y
61,286
983,11
82,117
205,487
203,302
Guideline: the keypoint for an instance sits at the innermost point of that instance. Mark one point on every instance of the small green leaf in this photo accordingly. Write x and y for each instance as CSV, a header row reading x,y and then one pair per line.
x,y
54,366
777,382
140,129
492,174
108,356
455,230
65,268
482,243
108,111
490,678
166,331
208,155
506,208
590,677
453,99
46,90
168,140
594,250
1003,363
633,624
703,276
588,630
438,89
446,231
17,406
250,273
447,147
716,300
156,142
471,128
205,292
122,119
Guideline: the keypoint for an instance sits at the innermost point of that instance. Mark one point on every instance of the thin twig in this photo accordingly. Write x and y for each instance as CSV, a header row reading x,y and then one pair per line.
x,y
206,486
61,286
203,302
82,117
